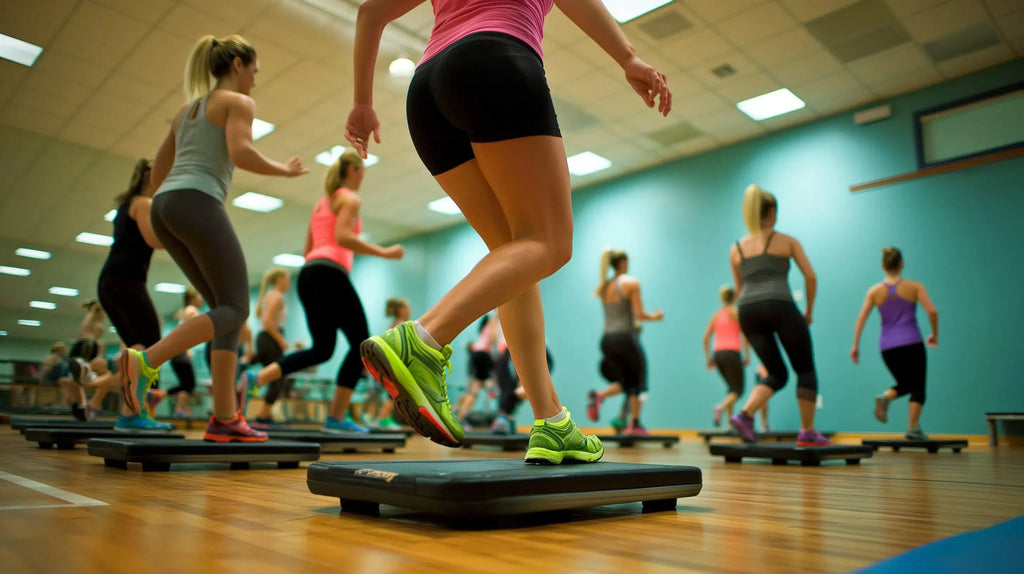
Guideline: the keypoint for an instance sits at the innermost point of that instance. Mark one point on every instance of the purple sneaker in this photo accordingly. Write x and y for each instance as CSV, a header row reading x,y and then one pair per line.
x,y
812,438
744,425
234,430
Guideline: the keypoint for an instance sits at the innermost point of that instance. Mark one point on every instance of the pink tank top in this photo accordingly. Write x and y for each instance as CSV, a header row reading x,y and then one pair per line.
x,y
727,332
502,343
455,19
485,337
321,227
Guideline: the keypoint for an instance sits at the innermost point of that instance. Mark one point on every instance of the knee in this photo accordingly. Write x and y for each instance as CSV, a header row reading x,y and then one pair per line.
x,y
807,386
321,353
559,249
917,397
776,382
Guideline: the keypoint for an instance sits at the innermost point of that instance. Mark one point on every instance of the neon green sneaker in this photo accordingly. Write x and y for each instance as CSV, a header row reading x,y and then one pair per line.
x,y
414,375
555,443
136,378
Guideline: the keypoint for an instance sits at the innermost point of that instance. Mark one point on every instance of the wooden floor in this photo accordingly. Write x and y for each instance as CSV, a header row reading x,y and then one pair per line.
x,y
752,517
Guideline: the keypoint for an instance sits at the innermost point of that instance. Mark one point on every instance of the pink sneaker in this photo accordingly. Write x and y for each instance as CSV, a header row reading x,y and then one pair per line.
x,y
234,430
153,398
593,405
812,438
636,430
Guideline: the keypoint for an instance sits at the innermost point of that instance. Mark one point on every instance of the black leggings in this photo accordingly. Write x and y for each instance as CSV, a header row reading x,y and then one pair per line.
x,y
624,360
130,309
761,322
909,366
267,352
194,229
730,366
508,380
331,303
182,365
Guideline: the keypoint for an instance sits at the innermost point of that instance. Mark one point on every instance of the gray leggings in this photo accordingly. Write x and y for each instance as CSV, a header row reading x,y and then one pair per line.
x,y
194,229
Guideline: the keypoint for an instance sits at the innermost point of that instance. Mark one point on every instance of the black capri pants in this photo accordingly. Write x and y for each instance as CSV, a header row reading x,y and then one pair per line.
x,y
130,310
268,352
485,87
908,365
508,380
624,358
730,366
481,365
761,322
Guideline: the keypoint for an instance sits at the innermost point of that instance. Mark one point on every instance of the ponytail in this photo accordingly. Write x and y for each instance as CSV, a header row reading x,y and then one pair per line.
x,y
336,174
269,278
211,59
757,203
610,258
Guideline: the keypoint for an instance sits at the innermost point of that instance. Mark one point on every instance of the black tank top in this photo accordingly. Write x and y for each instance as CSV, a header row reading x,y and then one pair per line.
x,y
130,254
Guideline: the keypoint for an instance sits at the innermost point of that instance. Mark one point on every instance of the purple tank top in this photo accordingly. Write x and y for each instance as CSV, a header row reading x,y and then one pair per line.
x,y
899,321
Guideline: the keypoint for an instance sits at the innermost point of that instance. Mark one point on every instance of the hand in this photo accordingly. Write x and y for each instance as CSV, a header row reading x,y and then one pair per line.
x,y
657,315
809,316
283,345
932,340
293,167
394,252
651,84
362,121
855,355
710,364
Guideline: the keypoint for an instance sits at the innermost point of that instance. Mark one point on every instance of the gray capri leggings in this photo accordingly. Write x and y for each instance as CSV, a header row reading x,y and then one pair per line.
x,y
194,229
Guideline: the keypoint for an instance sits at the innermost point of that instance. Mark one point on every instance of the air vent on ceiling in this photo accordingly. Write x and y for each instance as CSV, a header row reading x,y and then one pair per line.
x,y
571,117
674,134
859,30
723,71
664,23
970,39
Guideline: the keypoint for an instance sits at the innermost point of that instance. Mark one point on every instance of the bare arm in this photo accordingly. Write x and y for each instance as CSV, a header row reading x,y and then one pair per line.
x,y
734,262
272,310
309,242
164,159
638,304
862,318
707,340
347,208
810,279
746,349
139,211
933,313
238,134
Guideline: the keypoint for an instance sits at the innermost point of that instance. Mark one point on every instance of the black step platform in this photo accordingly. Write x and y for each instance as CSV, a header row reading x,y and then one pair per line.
x,y
22,423
160,454
777,436
627,440
931,446
404,431
781,453
343,442
67,438
506,442
499,486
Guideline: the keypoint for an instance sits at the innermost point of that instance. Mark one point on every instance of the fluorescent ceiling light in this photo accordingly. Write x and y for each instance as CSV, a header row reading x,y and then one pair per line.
x,y
170,287
32,253
14,271
625,10
3,333
110,215
587,162
257,202
94,239
64,291
289,260
29,322
330,156
402,68
261,128
771,104
42,305
19,51
444,205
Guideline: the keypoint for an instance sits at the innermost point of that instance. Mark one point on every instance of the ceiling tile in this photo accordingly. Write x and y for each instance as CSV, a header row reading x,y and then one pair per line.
x,y
747,87
743,67
1003,7
944,19
783,48
31,120
890,63
46,102
160,59
816,65
794,118
1018,46
109,35
148,11
11,76
722,122
829,88
754,24
976,61
699,104
807,10
904,8
560,30
20,148
60,68
1012,25
95,135
712,11
906,82
25,20
696,47
241,12
566,65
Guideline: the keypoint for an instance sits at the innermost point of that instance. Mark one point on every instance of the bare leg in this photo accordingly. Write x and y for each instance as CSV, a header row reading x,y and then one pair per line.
x,y
340,402
728,402
610,391
468,399
271,372
759,397
635,404
182,338
764,416
915,415
223,366
806,414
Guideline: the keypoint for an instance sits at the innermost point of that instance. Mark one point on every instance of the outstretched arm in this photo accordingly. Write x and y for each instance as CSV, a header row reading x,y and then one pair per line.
x,y
933,314
862,318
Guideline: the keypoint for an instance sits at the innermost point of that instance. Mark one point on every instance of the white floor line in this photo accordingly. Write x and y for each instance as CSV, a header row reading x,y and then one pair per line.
x,y
74,499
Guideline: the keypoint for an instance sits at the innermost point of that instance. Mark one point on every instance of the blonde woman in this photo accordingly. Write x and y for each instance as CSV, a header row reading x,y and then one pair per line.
x,y
760,267
270,342
903,348
623,359
326,292
208,138
729,341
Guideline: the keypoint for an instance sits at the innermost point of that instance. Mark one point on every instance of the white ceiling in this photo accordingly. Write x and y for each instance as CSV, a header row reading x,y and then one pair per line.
x,y
103,91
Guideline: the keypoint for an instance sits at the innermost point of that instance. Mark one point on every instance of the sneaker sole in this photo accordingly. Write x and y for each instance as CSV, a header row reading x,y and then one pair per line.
x,y
142,431
742,431
130,398
547,457
807,444
384,366
222,438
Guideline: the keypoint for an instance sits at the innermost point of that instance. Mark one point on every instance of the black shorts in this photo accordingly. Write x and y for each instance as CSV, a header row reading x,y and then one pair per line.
x,y
481,365
624,358
485,87
130,310
909,366
730,366
86,349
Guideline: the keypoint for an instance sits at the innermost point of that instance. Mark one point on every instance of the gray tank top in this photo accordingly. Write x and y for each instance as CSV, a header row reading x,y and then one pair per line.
x,y
618,316
201,160
765,276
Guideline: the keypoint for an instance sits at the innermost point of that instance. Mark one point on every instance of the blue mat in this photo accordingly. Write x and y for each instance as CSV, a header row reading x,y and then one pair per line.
x,y
993,550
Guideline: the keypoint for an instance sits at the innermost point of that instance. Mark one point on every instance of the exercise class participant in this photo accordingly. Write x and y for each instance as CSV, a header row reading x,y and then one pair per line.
x,y
729,340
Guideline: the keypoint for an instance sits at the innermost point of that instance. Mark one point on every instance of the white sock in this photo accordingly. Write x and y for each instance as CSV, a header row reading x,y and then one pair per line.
x,y
561,416
426,337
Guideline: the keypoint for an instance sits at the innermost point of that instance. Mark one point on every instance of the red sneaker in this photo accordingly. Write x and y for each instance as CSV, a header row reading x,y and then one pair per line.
x,y
234,430
593,405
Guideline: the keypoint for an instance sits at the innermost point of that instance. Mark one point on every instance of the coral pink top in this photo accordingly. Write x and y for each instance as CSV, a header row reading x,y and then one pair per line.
x,y
455,19
481,343
321,227
727,332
